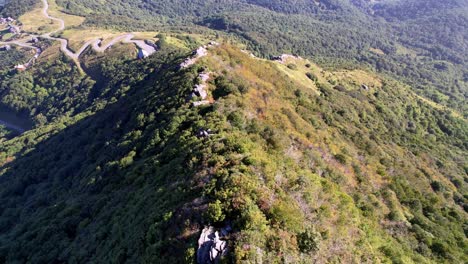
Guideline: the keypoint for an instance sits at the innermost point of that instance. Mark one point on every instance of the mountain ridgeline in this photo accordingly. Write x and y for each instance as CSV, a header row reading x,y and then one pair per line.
x,y
353,152
424,43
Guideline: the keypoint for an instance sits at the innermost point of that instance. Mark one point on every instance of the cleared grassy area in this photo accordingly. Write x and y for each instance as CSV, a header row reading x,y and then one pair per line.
x,y
70,20
150,35
440,107
6,36
402,50
298,69
35,22
78,37
356,78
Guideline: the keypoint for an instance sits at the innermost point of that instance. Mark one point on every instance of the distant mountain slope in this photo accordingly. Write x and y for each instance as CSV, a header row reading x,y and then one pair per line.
x,y
414,9
411,40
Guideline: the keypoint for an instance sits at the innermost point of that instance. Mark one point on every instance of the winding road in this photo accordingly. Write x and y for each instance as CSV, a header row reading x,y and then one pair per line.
x,y
126,38
95,43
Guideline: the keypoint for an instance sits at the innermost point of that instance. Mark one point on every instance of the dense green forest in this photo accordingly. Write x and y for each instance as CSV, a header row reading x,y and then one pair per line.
x,y
355,152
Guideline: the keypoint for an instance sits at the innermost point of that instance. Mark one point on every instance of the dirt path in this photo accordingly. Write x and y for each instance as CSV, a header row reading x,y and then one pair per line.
x,y
45,12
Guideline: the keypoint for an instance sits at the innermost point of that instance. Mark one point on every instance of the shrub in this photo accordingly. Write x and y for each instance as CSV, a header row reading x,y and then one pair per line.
x,y
341,158
223,88
391,253
127,160
292,66
287,215
340,88
311,76
324,89
440,249
274,138
236,119
394,215
437,186
190,255
214,213
309,240
298,93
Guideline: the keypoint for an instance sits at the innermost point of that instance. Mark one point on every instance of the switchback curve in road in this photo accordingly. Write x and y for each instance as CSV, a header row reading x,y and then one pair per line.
x,y
95,43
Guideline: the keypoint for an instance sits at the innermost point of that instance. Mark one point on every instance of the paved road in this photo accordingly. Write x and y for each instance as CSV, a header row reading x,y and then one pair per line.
x,y
95,43
20,43
24,43
126,38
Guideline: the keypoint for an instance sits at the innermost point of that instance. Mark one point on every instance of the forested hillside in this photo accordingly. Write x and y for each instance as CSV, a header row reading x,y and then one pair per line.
x,y
353,152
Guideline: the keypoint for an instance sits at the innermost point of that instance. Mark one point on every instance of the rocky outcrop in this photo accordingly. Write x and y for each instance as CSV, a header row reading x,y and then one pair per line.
x,y
5,47
204,133
211,245
200,103
199,53
285,57
200,90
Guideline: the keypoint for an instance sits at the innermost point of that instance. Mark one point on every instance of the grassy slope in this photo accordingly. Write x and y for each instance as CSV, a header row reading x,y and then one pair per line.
x,y
34,21
346,162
